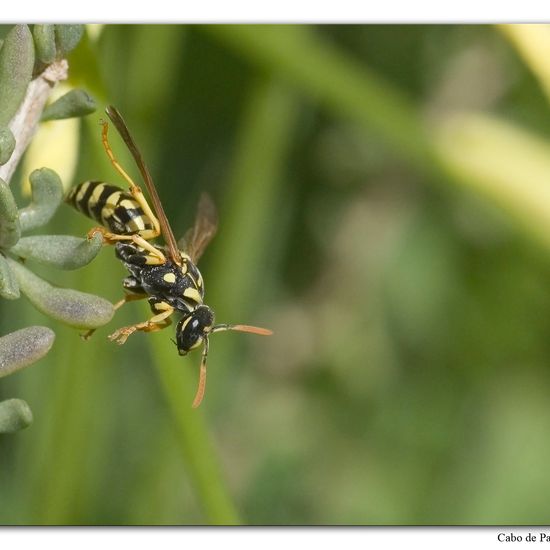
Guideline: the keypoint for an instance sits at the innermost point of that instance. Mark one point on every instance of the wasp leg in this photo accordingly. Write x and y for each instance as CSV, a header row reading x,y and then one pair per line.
x,y
156,256
138,195
157,322
110,154
104,233
134,189
127,298
108,237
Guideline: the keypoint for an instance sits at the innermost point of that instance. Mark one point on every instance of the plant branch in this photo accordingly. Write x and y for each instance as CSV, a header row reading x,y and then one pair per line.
x,y
23,125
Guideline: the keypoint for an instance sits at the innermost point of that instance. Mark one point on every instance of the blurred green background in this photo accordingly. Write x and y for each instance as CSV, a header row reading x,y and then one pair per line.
x,y
384,200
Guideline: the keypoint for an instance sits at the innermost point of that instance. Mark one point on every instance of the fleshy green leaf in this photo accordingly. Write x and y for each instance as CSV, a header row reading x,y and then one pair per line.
x,y
60,251
7,145
44,41
16,65
10,230
77,309
75,103
47,194
15,414
9,288
67,37
24,347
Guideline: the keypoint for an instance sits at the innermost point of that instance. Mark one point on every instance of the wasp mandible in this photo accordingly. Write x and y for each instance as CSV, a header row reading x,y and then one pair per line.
x,y
166,275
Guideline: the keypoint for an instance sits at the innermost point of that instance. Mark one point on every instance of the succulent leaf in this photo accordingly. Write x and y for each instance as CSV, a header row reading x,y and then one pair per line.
x,y
9,288
16,65
47,194
67,37
15,414
74,308
10,230
7,145
44,41
24,347
59,251
75,103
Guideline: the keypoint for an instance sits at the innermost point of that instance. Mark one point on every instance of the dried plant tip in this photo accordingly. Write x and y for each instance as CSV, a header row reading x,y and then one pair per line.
x,y
59,251
47,194
74,308
24,347
7,145
10,230
15,415
16,66
44,42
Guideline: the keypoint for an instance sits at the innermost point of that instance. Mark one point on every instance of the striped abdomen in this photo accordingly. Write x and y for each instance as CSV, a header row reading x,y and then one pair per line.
x,y
109,205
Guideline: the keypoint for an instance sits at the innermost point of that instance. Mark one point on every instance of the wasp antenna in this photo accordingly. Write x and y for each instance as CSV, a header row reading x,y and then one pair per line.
x,y
201,387
202,377
254,330
243,328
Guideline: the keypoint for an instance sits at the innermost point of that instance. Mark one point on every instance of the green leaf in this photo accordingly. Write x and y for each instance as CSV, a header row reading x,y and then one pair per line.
x,y
7,145
15,414
9,288
75,103
44,41
59,251
322,71
16,65
47,194
74,308
10,230
24,347
67,37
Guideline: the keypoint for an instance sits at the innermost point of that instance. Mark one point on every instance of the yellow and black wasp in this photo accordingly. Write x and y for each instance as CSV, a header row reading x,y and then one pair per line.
x,y
166,275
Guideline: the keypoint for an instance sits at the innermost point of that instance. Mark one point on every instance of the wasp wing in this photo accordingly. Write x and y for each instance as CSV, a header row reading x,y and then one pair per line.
x,y
166,230
196,239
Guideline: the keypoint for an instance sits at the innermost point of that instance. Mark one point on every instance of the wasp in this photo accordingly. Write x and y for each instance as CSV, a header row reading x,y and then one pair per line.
x,y
166,275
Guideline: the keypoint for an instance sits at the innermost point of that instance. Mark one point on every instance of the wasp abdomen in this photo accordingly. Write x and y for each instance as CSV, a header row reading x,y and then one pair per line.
x,y
111,206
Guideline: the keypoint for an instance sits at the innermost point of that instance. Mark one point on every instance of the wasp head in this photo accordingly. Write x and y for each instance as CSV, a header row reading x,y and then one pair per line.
x,y
193,329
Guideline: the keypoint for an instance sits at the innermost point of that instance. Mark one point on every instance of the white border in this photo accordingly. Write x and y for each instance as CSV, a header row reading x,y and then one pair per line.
x,y
360,538
281,11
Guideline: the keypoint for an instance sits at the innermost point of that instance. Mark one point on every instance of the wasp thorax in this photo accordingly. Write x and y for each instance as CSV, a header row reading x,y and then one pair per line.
x,y
192,329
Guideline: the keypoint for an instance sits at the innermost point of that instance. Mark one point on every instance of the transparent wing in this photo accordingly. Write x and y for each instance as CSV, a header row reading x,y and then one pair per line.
x,y
196,239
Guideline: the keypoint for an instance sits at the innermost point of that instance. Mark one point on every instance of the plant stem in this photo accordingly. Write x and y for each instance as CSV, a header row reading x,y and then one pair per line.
x,y
178,381
24,123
